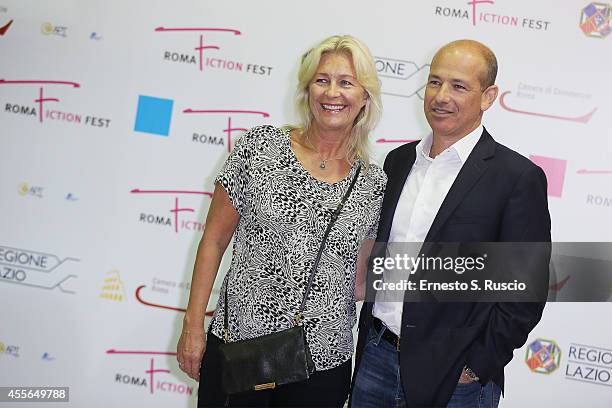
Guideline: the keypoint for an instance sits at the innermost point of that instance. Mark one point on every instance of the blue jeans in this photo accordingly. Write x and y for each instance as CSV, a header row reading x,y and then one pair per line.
x,y
475,395
378,383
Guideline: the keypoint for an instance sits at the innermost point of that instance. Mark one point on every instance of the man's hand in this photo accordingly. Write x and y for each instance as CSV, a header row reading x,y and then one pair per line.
x,y
467,376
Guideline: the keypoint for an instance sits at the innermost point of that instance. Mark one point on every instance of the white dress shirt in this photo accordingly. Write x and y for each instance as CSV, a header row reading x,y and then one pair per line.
x,y
426,187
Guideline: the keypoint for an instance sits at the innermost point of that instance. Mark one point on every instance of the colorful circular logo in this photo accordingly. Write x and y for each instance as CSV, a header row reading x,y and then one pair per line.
x,y
543,356
596,20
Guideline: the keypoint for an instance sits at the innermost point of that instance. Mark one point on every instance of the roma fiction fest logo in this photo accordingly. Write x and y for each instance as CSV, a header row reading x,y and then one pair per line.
x,y
596,20
37,269
595,198
479,12
180,213
202,48
228,131
151,376
47,106
599,200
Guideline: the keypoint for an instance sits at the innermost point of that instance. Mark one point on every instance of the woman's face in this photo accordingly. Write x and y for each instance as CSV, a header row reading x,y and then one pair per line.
x,y
335,96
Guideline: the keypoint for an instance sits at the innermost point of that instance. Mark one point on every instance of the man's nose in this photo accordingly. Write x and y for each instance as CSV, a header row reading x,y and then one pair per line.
x,y
443,94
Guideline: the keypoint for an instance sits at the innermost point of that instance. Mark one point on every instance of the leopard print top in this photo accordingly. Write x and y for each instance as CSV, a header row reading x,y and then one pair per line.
x,y
284,212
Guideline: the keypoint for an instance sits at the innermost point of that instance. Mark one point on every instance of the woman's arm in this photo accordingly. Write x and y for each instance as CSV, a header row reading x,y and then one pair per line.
x,y
221,222
362,268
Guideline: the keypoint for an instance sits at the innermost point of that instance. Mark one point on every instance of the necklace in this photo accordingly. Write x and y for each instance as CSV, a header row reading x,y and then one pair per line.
x,y
322,161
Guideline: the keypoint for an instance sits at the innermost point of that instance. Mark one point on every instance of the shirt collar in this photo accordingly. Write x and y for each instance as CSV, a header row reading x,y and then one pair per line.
x,y
462,147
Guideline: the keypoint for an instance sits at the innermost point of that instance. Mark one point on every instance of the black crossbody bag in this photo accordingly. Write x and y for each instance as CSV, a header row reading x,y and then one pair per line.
x,y
275,359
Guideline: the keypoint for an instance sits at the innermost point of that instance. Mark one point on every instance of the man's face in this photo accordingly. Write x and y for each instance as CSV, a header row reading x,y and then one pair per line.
x,y
454,100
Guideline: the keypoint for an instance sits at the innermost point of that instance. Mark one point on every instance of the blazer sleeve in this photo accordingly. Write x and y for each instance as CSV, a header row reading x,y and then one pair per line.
x,y
525,219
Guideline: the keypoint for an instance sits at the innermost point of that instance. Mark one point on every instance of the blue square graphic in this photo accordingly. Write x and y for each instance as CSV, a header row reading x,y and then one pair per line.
x,y
153,115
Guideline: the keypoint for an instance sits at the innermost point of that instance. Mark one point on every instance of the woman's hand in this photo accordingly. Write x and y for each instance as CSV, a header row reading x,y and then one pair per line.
x,y
189,351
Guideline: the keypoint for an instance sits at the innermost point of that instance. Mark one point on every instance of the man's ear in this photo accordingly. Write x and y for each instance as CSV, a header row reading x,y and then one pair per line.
x,y
488,97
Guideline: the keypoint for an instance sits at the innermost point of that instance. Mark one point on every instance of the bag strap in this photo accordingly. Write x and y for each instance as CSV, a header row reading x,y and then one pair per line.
x,y
334,217
298,316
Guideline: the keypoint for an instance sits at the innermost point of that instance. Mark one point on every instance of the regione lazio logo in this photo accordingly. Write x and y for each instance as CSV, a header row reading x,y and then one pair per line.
x,y
596,20
543,356
153,115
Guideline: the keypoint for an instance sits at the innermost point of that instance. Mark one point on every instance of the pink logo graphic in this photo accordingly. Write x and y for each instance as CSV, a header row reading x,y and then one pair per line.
x,y
557,286
229,128
580,119
383,140
555,173
201,46
208,313
593,171
474,3
41,99
175,210
150,380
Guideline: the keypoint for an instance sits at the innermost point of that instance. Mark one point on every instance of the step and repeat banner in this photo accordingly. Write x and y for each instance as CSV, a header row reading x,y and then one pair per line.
x,y
116,115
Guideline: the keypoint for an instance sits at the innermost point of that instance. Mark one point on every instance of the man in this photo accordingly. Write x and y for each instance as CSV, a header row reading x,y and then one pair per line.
x,y
456,185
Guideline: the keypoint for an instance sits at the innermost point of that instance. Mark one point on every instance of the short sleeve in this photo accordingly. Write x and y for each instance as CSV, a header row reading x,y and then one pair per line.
x,y
373,231
234,175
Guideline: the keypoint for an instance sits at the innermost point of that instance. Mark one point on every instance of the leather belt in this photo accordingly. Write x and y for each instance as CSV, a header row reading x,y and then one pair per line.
x,y
388,335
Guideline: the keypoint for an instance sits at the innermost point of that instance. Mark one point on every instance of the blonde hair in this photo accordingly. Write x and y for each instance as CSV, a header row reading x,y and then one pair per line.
x,y
365,70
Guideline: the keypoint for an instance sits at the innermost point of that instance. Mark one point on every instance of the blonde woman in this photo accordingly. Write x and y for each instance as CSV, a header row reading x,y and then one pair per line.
x,y
275,195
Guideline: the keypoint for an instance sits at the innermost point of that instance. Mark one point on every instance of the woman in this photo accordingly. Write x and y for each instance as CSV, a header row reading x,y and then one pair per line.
x,y
276,193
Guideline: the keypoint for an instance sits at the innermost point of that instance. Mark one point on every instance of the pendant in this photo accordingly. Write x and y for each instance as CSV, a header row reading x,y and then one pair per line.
x,y
322,164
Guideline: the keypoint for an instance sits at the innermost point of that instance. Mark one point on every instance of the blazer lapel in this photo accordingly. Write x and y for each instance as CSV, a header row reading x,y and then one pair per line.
x,y
469,174
398,173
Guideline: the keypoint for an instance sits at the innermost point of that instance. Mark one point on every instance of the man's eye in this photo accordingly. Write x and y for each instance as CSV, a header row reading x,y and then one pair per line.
x,y
460,87
434,82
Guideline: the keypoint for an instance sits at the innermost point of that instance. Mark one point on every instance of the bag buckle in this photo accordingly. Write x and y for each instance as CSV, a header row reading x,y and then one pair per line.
x,y
297,319
265,386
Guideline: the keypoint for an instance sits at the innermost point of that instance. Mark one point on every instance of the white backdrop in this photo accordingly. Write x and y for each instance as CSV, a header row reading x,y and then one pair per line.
x,y
114,119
